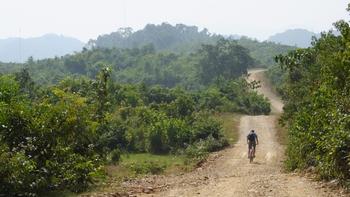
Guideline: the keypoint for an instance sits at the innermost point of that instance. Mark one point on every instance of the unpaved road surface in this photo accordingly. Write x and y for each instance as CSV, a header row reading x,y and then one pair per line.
x,y
228,172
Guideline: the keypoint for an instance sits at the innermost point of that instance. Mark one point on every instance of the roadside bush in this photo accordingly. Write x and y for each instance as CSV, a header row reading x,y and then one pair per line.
x,y
157,140
147,167
178,133
234,96
153,131
196,153
199,151
46,145
115,155
316,111
255,104
211,99
112,135
18,174
277,76
205,126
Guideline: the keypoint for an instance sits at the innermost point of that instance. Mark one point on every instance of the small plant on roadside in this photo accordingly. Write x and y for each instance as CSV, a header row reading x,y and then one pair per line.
x,y
115,156
147,167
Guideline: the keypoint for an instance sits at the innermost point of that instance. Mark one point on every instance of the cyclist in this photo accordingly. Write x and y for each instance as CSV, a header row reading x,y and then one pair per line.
x,y
252,141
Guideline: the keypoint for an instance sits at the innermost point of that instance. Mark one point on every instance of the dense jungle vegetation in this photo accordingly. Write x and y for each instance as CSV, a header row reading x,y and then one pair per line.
x,y
63,119
314,84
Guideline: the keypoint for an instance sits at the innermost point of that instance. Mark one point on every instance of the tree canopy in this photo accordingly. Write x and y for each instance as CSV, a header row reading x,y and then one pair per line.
x,y
226,60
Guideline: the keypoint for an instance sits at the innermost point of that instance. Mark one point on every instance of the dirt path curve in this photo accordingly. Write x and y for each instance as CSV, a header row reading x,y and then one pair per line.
x,y
230,173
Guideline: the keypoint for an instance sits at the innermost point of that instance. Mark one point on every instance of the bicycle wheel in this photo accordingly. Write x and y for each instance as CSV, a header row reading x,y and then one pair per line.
x,y
251,156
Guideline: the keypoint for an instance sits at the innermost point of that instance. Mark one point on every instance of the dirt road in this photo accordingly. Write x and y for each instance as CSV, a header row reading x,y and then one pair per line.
x,y
229,172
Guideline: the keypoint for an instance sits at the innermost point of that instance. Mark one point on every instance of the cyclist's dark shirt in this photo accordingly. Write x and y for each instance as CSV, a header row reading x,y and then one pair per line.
x,y
253,136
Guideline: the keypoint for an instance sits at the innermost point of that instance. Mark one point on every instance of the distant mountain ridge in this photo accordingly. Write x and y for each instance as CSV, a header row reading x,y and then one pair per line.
x,y
294,37
46,46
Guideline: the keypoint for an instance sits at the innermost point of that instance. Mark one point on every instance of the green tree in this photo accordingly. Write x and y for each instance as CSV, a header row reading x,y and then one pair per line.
x,y
226,59
102,92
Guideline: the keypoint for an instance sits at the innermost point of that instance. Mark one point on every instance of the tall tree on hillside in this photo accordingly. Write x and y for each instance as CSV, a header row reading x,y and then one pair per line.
x,y
27,85
226,60
102,92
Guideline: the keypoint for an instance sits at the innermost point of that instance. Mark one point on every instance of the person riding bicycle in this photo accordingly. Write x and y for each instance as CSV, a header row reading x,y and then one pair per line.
x,y
252,141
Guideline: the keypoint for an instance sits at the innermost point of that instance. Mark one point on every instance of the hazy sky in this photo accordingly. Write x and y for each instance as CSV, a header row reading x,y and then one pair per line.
x,y
86,19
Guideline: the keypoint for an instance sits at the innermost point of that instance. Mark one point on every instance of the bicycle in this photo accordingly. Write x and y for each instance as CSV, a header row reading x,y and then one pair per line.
x,y
251,154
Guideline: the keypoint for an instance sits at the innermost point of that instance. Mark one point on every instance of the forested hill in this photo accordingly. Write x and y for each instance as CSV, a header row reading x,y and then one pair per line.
x,y
184,39
164,37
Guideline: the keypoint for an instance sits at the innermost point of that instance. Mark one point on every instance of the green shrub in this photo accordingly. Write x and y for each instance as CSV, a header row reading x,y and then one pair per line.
x,y
205,126
46,145
196,153
211,99
115,155
147,167
234,96
277,76
199,151
255,104
179,135
157,139
18,174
